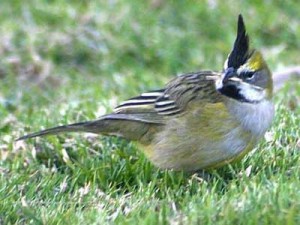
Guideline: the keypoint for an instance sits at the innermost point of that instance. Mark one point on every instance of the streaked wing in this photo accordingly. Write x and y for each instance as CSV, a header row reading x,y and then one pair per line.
x,y
142,103
172,100
192,87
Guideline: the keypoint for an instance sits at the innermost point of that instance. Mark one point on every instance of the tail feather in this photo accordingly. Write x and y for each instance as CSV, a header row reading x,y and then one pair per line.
x,y
76,127
132,127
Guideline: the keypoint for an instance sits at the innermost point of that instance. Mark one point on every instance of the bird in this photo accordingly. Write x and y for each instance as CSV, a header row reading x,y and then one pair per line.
x,y
200,120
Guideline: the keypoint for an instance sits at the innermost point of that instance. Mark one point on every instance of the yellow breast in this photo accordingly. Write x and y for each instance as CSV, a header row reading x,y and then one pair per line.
x,y
206,137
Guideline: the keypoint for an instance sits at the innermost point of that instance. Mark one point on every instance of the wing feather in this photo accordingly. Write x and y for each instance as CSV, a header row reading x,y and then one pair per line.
x,y
173,99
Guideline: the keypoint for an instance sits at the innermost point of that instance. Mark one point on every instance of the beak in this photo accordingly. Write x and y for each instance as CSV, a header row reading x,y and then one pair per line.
x,y
230,75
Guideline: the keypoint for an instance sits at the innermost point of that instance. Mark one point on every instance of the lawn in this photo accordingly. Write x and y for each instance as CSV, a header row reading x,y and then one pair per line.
x,y
69,61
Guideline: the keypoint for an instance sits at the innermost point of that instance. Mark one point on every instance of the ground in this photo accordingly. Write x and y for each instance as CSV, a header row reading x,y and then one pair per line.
x,y
64,62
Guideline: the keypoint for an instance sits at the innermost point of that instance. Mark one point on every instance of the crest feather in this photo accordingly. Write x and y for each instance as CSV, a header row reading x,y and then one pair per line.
x,y
240,51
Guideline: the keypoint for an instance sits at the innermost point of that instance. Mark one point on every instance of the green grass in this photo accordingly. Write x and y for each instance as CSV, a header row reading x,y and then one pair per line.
x,y
64,62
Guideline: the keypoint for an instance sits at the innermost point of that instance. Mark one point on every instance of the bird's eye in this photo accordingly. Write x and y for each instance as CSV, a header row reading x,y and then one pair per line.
x,y
248,75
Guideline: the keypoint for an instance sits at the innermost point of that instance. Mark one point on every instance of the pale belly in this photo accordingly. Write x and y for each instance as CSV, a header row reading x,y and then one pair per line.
x,y
206,138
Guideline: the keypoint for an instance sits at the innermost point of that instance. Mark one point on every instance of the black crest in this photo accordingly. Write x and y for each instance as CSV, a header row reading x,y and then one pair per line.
x,y
240,51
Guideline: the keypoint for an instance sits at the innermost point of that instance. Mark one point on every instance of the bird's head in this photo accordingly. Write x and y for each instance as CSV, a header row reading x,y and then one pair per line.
x,y
246,76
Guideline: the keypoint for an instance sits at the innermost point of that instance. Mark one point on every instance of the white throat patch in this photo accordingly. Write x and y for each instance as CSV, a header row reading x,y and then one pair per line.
x,y
255,117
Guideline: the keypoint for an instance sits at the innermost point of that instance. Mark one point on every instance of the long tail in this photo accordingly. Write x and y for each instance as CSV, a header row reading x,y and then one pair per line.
x,y
76,127
131,127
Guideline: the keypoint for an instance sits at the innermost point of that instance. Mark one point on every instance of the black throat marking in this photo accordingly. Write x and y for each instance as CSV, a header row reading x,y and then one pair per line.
x,y
232,91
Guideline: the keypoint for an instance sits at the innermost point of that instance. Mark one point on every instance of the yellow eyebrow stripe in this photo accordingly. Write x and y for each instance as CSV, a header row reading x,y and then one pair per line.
x,y
256,61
